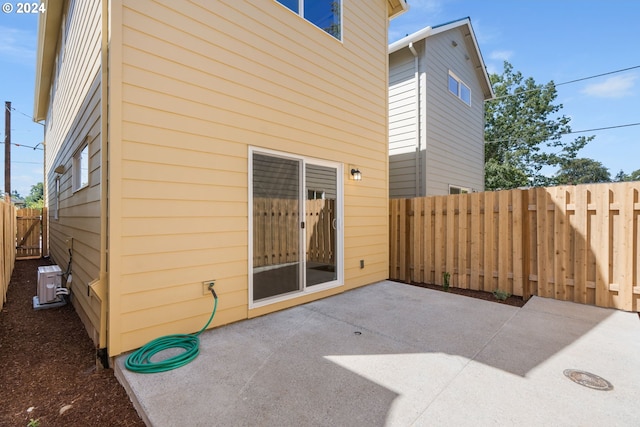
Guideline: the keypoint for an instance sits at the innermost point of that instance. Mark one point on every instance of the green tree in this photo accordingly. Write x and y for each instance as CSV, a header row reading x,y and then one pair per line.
x,y
620,176
521,133
35,199
582,171
633,176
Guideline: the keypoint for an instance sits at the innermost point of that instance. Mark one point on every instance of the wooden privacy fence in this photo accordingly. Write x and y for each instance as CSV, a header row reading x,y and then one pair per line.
x,y
276,231
7,246
576,243
31,227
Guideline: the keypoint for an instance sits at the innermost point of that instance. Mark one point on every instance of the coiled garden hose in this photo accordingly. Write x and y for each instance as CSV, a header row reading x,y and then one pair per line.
x,y
140,360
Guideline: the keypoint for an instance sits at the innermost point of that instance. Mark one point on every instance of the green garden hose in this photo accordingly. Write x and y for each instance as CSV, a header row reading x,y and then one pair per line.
x,y
140,360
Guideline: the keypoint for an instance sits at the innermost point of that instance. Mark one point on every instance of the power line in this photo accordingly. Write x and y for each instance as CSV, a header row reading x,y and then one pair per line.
x,y
604,128
575,131
598,75
26,146
25,114
564,83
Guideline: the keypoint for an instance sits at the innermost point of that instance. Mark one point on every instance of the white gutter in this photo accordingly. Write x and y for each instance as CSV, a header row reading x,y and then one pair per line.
x,y
410,39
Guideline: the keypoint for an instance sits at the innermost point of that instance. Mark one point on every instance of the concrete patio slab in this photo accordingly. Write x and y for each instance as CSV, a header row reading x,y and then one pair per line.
x,y
391,354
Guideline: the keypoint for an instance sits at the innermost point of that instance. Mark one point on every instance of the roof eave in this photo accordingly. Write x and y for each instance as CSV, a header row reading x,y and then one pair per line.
x,y
397,7
48,32
411,38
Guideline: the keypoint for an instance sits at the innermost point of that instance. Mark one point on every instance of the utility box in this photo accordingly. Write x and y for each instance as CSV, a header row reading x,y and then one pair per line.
x,y
49,280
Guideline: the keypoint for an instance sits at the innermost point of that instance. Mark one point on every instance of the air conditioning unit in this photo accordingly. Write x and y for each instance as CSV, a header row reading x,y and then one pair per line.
x,y
50,290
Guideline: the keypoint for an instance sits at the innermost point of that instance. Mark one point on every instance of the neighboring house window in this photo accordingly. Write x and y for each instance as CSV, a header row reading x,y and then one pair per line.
x,y
57,206
453,189
315,195
459,89
324,14
80,171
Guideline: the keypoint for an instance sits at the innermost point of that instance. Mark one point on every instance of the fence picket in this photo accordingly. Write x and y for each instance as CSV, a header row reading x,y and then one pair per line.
x,y
475,242
7,245
463,237
487,281
505,252
580,242
517,240
429,240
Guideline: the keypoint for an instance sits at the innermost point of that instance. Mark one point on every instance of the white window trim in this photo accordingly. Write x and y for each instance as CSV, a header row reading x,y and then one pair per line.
x,y
76,170
300,13
460,84
339,225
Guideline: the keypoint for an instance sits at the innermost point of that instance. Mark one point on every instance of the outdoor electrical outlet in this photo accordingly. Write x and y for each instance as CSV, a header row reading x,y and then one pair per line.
x,y
205,286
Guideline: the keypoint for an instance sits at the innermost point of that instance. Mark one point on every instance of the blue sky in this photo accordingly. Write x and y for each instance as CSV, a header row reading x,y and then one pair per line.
x,y
17,66
560,40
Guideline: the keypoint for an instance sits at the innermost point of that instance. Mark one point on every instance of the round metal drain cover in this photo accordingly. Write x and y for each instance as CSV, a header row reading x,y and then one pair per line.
x,y
588,379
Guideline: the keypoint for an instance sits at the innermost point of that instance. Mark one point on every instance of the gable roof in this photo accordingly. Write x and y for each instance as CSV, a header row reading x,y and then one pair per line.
x,y
465,25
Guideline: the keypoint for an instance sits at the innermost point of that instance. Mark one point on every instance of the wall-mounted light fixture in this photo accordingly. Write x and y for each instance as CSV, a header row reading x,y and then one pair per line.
x,y
454,43
356,175
59,169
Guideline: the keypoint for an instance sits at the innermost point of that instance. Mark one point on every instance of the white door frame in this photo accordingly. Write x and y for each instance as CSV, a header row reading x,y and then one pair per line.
x,y
339,227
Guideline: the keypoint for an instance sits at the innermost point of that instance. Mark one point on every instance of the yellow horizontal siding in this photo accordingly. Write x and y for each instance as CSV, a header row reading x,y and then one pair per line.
x,y
229,273
196,223
201,83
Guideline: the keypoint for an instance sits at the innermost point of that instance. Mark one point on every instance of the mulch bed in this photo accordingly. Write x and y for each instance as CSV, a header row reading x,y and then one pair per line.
x,y
48,365
487,296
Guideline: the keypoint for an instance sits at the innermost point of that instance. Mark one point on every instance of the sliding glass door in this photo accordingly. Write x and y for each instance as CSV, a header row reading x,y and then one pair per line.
x,y
296,217
321,224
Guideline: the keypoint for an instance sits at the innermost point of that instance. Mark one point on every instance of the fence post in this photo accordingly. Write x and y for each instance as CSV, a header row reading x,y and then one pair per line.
x,y
526,244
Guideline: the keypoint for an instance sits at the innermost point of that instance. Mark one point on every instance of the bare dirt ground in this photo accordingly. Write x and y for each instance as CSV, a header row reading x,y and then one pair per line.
x,y
48,365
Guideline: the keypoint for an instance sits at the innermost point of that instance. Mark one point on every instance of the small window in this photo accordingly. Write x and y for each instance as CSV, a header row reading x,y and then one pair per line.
x,y
454,189
315,194
324,14
80,171
458,88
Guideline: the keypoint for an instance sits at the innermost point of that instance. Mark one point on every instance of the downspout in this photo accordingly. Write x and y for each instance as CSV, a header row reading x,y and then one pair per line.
x,y
104,156
418,184
100,286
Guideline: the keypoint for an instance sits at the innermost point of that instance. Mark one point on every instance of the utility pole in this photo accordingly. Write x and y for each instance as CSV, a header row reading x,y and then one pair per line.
x,y
7,148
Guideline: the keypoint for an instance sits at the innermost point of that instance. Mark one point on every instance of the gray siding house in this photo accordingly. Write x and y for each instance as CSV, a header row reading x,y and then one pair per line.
x,y
437,87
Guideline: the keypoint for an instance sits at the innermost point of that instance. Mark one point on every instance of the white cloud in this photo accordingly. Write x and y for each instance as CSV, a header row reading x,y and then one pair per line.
x,y
17,45
613,87
501,55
